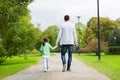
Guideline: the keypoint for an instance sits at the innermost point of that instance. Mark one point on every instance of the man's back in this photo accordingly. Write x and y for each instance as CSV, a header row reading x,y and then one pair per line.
x,y
67,34
68,30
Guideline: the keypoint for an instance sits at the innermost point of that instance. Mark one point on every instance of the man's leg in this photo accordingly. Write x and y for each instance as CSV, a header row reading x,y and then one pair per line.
x,y
63,52
70,51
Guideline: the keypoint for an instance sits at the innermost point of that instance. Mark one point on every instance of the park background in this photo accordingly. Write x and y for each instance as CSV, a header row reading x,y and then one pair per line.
x,y
20,40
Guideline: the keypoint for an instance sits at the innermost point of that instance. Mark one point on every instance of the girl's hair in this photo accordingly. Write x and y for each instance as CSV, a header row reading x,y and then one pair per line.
x,y
45,40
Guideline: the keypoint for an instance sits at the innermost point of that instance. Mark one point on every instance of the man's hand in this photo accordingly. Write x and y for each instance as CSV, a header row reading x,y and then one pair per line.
x,y
76,45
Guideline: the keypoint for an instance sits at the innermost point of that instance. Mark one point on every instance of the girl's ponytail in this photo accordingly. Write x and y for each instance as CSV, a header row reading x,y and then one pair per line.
x,y
45,40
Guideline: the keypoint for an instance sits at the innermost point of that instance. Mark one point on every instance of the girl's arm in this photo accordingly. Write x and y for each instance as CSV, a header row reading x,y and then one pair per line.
x,y
53,47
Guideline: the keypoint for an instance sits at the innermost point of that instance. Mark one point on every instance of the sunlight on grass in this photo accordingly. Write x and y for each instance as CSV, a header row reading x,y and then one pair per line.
x,y
109,64
16,63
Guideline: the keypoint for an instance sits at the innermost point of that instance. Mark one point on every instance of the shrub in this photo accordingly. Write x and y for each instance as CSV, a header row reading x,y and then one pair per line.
x,y
34,51
92,47
114,50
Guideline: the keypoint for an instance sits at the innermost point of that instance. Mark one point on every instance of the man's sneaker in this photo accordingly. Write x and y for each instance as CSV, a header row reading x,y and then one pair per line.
x,y
68,69
64,68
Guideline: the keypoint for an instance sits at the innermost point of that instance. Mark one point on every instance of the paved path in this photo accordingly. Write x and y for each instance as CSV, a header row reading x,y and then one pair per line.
x,y
80,71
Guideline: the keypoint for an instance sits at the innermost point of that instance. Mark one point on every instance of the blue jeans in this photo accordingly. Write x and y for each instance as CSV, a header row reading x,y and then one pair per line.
x,y
64,49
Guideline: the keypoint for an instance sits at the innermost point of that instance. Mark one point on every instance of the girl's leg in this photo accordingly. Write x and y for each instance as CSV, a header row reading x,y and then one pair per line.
x,y
48,64
45,64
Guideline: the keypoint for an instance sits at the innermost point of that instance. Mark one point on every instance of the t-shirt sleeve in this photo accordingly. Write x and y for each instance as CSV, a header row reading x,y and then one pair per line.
x,y
59,36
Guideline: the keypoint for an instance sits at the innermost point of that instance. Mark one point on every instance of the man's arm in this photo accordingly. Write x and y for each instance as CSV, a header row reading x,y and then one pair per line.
x,y
75,37
59,36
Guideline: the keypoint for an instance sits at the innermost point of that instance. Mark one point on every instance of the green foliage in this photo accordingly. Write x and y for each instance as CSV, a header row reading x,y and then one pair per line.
x,y
20,39
51,32
89,35
80,31
10,12
109,64
106,27
117,22
113,50
17,34
114,42
34,51
115,38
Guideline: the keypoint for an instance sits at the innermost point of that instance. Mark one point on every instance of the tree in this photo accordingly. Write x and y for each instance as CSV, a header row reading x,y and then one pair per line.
x,y
117,23
106,27
89,35
114,42
10,13
16,32
51,32
80,30
115,38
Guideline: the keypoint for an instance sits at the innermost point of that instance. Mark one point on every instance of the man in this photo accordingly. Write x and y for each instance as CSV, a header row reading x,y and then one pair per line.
x,y
67,38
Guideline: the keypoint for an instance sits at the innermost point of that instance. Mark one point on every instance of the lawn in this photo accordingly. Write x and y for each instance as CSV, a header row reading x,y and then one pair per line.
x,y
16,64
109,64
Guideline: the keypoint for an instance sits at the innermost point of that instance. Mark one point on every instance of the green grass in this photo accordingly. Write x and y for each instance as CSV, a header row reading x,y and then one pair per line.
x,y
16,64
53,54
109,64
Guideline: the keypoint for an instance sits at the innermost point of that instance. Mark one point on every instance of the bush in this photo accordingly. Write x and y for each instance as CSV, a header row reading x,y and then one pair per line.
x,y
34,51
92,47
114,50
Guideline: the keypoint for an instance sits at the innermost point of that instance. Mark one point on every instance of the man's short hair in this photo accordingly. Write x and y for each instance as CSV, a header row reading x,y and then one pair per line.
x,y
66,17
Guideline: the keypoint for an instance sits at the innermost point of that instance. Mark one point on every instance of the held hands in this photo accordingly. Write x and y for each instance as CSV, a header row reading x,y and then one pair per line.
x,y
56,46
76,45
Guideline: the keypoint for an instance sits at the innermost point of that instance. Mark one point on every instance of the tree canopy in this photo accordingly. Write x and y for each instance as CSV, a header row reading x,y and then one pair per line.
x,y
17,34
106,27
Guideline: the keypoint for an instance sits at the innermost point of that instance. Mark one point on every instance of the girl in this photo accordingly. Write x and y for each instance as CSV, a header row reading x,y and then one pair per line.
x,y
45,49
